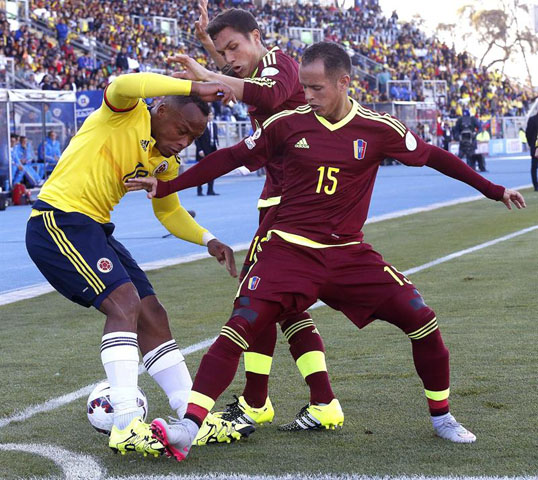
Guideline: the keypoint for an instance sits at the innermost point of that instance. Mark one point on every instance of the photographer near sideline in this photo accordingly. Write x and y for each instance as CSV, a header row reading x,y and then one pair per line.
x,y
465,132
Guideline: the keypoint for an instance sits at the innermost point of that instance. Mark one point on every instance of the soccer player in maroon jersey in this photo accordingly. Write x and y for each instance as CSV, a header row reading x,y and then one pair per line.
x,y
268,81
332,150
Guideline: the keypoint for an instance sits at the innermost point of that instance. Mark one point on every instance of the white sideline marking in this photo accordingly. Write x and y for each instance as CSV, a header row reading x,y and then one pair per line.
x,y
32,291
82,392
74,466
70,397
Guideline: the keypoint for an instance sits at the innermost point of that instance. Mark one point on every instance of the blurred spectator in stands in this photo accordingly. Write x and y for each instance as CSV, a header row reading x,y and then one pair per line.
x,y
62,30
483,135
447,135
122,60
523,139
49,151
46,83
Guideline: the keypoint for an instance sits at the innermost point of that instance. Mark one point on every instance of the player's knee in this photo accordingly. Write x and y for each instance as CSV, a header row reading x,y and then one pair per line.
x,y
123,305
249,318
153,316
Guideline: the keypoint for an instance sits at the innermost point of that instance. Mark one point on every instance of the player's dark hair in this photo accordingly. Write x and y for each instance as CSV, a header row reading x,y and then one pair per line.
x,y
240,20
178,101
334,57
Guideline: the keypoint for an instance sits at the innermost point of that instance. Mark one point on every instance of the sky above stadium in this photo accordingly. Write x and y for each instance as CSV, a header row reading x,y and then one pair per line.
x,y
434,13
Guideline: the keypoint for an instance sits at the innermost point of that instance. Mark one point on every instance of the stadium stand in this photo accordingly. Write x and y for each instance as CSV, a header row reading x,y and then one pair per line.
x,y
382,49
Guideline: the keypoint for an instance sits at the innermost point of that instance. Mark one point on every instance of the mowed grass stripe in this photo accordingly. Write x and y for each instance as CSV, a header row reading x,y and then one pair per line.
x,y
484,304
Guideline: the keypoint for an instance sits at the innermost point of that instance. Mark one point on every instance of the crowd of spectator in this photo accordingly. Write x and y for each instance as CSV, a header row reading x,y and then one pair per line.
x,y
400,51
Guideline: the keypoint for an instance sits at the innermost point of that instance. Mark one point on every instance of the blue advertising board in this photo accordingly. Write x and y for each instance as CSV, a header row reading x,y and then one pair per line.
x,y
87,102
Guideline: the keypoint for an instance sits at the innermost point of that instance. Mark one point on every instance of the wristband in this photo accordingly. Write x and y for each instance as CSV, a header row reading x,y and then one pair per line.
x,y
207,237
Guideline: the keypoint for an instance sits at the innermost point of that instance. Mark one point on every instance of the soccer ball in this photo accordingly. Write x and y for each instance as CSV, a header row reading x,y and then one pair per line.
x,y
100,411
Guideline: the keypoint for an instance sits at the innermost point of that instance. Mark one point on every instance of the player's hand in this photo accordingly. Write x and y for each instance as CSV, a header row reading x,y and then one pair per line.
x,y
192,69
211,91
200,25
142,183
513,196
224,254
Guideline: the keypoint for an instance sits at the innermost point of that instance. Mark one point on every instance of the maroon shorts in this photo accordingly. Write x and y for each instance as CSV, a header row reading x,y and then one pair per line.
x,y
353,279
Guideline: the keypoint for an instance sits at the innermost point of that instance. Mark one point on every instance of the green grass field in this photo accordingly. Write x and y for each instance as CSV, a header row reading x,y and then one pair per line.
x,y
486,304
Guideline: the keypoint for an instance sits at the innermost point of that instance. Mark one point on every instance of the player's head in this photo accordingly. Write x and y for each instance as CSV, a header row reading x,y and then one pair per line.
x,y
325,73
237,37
176,121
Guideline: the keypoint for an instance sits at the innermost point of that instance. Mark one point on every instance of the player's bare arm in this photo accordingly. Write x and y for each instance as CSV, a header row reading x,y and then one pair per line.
x,y
214,90
200,28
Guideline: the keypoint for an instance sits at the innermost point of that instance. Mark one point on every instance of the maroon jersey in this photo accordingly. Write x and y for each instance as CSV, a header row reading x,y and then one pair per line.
x,y
329,169
273,87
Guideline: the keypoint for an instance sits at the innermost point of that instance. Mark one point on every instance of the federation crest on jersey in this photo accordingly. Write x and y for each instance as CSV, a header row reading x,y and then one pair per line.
x,y
253,283
359,149
250,142
161,168
105,265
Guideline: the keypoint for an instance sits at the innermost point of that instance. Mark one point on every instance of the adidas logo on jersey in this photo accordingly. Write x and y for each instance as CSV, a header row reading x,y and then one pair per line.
x,y
302,143
144,144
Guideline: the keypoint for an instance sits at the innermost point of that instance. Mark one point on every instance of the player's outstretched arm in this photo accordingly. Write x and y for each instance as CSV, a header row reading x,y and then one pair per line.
x,y
192,70
452,166
213,166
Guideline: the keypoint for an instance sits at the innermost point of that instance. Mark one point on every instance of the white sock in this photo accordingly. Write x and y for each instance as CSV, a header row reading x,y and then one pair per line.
x,y
119,354
439,419
166,365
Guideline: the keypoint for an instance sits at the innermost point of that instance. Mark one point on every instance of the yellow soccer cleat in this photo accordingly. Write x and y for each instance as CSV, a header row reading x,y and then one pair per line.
x,y
316,417
136,437
241,412
217,430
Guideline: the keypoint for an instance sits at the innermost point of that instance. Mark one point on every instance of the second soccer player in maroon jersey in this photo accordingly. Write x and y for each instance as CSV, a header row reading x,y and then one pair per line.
x,y
332,150
268,81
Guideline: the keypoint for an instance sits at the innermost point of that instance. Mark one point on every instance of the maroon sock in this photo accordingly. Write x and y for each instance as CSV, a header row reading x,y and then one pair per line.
x,y
431,359
256,388
303,337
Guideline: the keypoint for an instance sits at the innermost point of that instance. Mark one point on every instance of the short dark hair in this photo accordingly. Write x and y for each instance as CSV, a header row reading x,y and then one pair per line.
x,y
236,18
335,58
178,101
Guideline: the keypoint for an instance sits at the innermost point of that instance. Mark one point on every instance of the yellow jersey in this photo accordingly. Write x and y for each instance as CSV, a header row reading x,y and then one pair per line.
x,y
113,145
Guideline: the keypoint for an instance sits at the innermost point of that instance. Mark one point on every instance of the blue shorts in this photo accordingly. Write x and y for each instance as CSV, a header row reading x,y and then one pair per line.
x,y
79,256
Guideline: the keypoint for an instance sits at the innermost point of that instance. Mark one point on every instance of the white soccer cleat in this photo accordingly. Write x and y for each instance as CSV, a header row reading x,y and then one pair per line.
x,y
449,428
174,436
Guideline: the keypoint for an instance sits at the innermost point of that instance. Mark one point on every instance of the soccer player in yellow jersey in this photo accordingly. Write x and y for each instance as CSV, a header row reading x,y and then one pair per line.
x,y
69,238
